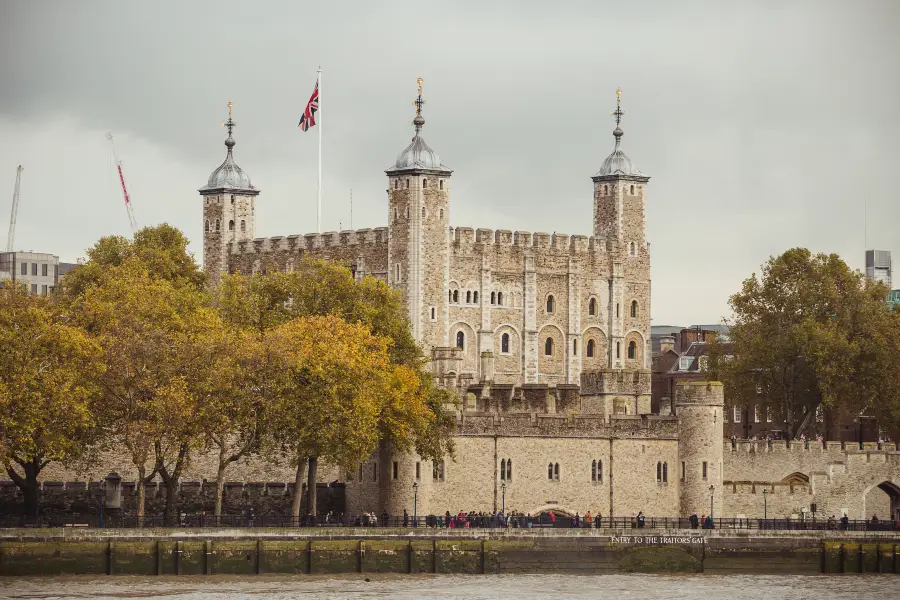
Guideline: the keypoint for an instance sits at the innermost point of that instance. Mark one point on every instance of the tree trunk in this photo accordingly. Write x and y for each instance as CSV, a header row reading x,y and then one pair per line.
x,y
170,479
28,484
311,486
298,488
220,487
169,512
141,492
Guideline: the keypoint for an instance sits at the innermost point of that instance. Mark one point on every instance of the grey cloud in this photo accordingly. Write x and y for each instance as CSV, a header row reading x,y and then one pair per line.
x,y
764,125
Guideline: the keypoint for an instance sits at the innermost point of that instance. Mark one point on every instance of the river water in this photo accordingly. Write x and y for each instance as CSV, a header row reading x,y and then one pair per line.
x,y
453,587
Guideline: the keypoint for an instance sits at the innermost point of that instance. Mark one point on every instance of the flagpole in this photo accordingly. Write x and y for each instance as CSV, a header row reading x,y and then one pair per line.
x,y
319,190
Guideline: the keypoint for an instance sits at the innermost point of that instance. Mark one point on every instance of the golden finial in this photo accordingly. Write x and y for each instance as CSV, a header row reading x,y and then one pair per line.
x,y
618,96
618,114
229,109
418,102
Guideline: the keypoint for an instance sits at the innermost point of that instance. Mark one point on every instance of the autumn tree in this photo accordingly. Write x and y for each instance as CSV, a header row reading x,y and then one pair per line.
x,y
319,288
48,390
334,383
161,342
810,332
162,249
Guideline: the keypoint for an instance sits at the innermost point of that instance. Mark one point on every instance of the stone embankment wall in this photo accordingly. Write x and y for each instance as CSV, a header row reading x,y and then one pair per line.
x,y
196,552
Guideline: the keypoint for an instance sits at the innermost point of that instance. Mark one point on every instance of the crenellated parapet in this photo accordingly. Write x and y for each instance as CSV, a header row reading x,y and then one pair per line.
x,y
527,424
312,242
615,381
575,245
363,250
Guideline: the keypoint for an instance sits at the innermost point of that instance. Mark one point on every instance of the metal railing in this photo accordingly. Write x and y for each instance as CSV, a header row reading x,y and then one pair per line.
x,y
444,522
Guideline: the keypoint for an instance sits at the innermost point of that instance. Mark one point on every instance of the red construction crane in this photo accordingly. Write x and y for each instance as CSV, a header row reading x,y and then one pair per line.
x,y
118,162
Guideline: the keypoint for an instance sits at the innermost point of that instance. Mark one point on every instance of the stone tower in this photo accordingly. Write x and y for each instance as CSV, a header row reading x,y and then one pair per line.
x,y
619,218
700,409
229,201
419,235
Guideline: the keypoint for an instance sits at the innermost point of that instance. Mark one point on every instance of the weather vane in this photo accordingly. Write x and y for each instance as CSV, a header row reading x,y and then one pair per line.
x,y
418,102
618,114
229,123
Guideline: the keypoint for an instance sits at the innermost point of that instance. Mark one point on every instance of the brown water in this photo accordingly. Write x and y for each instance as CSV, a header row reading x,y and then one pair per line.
x,y
454,587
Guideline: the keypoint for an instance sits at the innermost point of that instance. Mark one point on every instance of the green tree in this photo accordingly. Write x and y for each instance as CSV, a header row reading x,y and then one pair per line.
x,y
48,389
810,332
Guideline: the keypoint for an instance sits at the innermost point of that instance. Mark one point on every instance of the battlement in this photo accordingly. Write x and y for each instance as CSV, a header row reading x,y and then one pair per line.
x,y
560,242
771,489
615,381
534,424
313,241
813,447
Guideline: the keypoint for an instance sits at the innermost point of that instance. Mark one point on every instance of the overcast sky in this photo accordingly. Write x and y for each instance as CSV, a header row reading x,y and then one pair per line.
x,y
763,125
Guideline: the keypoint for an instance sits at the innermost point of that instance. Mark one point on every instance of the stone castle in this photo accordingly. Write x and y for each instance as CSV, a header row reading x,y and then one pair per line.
x,y
545,338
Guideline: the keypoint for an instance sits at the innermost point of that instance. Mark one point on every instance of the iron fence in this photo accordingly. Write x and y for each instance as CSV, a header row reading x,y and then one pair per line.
x,y
444,522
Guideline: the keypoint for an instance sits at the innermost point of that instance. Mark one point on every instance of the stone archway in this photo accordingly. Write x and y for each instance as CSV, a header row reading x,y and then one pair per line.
x,y
873,506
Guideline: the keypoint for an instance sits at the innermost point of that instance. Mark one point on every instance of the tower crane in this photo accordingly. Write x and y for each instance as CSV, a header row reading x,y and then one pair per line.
x,y
11,238
118,162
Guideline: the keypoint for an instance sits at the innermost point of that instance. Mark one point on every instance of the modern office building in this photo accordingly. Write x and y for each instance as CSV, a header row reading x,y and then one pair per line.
x,y
38,271
878,266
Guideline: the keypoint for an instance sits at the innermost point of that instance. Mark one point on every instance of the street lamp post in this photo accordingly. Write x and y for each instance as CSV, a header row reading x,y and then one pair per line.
x,y
503,498
712,490
415,501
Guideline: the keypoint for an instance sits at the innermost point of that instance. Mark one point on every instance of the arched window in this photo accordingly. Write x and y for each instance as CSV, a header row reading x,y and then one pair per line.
x,y
617,310
550,303
600,470
590,349
460,339
468,297
592,306
432,313
423,212
231,225
207,226
500,298
475,297
659,472
548,347
407,184
631,249
634,308
632,350
232,198
509,469
424,183
456,296
243,225
493,297
550,471
217,225
503,470
665,472
441,184
504,342
555,471
575,347
618,349
632,190
594,470
605,189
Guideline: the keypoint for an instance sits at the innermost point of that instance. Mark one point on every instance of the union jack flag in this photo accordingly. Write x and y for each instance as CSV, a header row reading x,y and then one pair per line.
x,y
309,115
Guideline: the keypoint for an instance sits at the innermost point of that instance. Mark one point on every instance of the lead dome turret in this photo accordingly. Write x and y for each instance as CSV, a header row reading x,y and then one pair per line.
x,y
228,176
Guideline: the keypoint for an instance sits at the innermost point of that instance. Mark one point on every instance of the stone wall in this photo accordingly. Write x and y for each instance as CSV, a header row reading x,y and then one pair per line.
x,y
192,497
